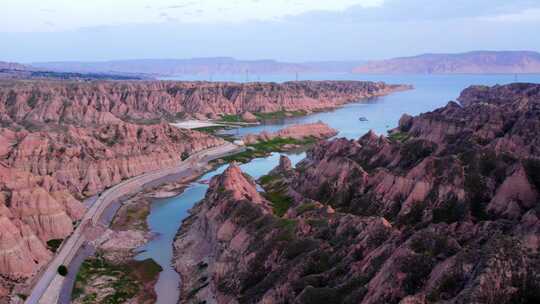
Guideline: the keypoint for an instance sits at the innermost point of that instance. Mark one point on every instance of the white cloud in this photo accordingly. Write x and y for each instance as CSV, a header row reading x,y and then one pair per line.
x,y
73,14
523,16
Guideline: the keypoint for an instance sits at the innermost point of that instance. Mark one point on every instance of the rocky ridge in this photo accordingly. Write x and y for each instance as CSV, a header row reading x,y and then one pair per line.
x,y
34,103
445,209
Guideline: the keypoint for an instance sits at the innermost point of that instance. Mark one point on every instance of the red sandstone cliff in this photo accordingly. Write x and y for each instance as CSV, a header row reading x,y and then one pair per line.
x,y
44,174
63,141
37,103
443,210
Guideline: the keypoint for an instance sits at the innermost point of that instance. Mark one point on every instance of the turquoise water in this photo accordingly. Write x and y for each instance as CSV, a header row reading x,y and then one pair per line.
x,y
167,214
382,113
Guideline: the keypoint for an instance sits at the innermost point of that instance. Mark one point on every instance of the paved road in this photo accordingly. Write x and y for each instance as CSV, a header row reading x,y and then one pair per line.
x,y
48,286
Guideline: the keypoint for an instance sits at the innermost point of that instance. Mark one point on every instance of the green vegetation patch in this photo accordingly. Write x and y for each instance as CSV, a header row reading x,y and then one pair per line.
x,y
264,148
306,207
121,281
276,193
232,118
280,202
279,115
264,116
212,130
399,136
277,143
414,151
244,157
267,179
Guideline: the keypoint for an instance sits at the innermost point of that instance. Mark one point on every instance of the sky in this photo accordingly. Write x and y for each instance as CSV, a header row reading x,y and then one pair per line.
x,y
286,30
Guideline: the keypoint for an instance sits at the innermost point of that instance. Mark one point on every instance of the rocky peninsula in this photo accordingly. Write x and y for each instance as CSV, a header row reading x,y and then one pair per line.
x,y
318,130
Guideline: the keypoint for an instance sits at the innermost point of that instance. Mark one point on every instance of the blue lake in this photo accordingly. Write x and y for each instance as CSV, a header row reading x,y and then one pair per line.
x,y
382,113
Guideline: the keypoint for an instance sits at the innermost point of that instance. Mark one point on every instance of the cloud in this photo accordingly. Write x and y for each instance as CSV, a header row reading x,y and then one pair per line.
x,y
180,6
527,15
395,28
421,10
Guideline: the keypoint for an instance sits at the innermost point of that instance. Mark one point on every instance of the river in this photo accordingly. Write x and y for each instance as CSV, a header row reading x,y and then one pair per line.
x,y
382,114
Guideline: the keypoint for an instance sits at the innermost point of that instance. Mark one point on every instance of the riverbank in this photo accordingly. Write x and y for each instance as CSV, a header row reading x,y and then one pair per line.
x,y
129,217
112,273
129,233
49,284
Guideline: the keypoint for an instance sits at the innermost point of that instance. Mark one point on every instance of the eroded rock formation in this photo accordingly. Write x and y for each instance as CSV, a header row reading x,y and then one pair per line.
x,y
62,141
82,103
318,130
445,209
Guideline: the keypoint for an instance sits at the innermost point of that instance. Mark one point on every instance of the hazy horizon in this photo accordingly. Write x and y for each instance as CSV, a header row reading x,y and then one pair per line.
x,y
282,30
269,59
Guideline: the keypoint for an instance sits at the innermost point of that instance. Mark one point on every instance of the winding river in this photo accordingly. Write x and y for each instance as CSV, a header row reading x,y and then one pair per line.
x,y
382,114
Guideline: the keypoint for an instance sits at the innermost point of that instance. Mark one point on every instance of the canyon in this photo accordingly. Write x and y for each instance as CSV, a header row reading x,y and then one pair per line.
x,y
443,209
63,142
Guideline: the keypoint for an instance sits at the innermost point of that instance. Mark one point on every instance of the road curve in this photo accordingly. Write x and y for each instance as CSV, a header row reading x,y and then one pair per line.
x,y
47,287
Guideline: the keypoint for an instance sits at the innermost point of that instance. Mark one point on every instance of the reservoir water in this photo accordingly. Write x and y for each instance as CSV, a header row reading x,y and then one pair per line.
x,y
382,114
166,216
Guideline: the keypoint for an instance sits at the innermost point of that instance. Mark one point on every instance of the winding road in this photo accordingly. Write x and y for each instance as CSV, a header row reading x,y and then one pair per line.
x,y
48,284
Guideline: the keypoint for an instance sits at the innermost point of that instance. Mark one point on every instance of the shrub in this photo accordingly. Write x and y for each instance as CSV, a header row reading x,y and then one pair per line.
x,y
306,207
184,155
414,151
417,268
280,202
53,244
323,295
488,163
32,101
532,167
398,136
449,211
62,270
318,264
414,216
295,248
477,193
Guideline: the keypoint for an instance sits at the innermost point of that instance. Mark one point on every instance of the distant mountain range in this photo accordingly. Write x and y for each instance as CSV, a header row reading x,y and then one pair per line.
x,y
12,70
198,66
479,62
